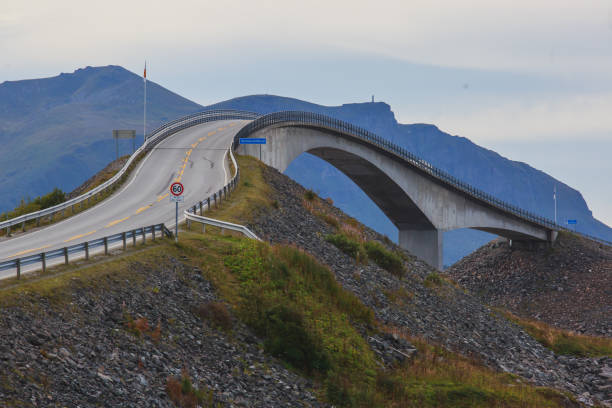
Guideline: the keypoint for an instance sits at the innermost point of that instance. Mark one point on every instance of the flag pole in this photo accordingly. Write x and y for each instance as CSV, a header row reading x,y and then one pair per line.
x,y
144,122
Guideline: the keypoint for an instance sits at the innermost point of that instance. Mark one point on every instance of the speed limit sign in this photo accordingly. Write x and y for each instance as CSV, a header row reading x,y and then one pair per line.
x,y
176,189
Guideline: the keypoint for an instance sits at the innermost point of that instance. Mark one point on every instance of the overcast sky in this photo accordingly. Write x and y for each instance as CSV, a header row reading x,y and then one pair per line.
x,y
529,79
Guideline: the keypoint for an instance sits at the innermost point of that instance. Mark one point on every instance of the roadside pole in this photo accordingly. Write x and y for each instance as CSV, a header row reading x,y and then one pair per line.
x,y
176,191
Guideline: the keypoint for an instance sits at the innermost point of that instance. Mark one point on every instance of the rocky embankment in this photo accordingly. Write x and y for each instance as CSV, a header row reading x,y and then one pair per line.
x,y
417,304
568,285
114,342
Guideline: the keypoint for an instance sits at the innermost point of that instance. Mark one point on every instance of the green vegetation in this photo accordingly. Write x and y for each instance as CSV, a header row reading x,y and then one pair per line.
x,y
361,252
182,392
563,341
310,195
384,258
433,279
349,246
27,205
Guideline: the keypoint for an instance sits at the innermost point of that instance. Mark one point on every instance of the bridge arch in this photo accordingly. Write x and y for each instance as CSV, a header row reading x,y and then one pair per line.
x,y
418,202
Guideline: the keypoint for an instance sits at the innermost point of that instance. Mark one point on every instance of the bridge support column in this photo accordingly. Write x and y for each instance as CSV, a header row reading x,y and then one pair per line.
x,y
425,244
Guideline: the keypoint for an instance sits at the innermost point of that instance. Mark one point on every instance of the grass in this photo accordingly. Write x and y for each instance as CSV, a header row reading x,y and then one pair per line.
x,y
253,192
563,341
183,394
349,246
384,258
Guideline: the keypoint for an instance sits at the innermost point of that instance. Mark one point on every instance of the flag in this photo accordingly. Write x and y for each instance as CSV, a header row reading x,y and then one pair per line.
x,y
145,72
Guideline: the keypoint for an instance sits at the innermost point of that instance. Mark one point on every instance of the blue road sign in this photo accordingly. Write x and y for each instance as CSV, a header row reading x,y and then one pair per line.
x,y
252,140
572,222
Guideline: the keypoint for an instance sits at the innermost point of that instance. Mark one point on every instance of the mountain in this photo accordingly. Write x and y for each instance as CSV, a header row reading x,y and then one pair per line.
x,y
57,132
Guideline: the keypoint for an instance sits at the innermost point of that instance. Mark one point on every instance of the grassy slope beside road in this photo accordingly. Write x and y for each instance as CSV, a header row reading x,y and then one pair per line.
x,y
164,301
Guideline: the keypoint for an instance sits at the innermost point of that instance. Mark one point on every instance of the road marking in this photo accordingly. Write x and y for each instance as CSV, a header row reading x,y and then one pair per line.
x,y
220,129
194,145
161,197
110,224
80,236
29,250
212,133
141,209
231,124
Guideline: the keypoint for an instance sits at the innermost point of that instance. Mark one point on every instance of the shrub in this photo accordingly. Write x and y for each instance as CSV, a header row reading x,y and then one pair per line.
x,y
216,313
349,246
138,326
384,258
183,394
309,195
433,279
330,219
287,339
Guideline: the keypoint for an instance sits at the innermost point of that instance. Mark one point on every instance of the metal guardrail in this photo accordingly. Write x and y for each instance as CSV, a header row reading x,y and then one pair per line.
x,y
298,118
221,224
85,247
151,141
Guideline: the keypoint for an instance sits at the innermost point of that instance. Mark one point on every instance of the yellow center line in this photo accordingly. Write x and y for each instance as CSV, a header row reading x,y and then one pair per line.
x,y
194,145
220,129
212,133
29,250
231,124
161,197
110,224
80,236
141,209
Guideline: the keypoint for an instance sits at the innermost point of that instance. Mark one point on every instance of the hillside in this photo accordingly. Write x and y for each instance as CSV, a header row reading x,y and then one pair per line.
x,y
568,285
56,132
328,312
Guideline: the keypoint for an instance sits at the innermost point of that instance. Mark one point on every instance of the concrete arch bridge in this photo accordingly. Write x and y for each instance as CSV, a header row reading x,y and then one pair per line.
x,y
421,200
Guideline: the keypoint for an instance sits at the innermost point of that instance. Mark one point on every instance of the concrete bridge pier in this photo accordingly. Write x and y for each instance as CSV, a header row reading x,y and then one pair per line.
x,y
424,243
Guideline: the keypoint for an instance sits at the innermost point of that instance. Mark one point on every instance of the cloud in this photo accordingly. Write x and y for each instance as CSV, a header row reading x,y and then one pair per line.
x,y
551,117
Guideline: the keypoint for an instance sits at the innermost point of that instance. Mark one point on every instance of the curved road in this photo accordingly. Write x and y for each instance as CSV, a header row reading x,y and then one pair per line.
x,y
196,156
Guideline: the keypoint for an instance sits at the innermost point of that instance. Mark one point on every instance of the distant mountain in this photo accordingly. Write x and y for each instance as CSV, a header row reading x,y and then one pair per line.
x,y
57,132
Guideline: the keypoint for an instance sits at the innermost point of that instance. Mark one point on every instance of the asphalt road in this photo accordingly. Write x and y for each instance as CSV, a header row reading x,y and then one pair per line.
x,y
197,157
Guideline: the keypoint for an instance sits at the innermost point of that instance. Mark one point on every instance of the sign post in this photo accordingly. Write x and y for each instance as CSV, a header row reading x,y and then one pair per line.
x,y
176,189
572,222
124,134
254,140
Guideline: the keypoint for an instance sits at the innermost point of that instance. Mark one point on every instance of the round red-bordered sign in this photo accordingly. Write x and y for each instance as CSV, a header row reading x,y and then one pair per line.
x,y
176,189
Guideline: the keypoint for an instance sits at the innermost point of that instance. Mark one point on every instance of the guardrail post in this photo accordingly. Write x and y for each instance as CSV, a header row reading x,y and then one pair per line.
x,y
38,221
203,228
8,231
86,250
200,208
144,236
133,237
153,232
23,226
43,260
124,240
215,198
208,203
105,246
188,224
18,265
65,255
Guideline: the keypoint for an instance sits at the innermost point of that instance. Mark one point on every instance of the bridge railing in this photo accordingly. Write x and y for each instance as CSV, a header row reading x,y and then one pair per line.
x,y
84,248
315,119
151,141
